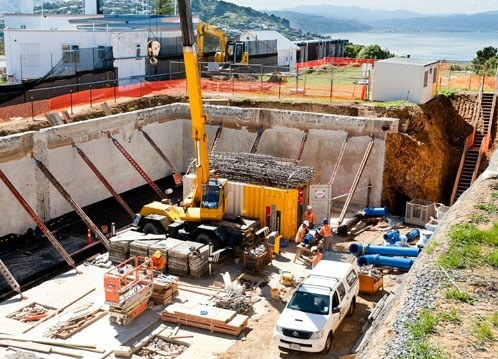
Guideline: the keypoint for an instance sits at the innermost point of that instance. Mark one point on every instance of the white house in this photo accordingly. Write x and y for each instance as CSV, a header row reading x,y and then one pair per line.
x,y
37,45
286,49
401,78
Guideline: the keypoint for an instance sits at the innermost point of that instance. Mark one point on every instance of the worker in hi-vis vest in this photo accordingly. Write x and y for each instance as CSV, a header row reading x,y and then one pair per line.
x,y
309,216
326,232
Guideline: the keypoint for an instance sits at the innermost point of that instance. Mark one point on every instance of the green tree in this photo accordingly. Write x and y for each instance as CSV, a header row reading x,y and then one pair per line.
x,y
485,61
165,7
374,52
352,51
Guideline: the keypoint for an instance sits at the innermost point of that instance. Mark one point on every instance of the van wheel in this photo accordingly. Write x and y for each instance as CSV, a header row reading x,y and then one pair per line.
x,y
352,307
153,228
328,343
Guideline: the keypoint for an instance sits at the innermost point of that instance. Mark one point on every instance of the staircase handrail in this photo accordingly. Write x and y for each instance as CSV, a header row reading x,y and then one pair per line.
x,y
478,109
482,150
493,105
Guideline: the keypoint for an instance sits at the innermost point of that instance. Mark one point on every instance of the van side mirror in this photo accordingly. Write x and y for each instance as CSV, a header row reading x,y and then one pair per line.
x,y
336,310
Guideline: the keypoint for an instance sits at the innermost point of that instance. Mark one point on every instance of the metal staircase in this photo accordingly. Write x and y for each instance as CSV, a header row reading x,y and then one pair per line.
x,y
476,144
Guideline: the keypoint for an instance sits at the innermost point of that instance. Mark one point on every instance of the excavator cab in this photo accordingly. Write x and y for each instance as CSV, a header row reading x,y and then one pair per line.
x,y
236,52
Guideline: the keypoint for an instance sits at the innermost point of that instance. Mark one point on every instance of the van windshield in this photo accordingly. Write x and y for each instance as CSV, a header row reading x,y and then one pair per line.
x,y
310,302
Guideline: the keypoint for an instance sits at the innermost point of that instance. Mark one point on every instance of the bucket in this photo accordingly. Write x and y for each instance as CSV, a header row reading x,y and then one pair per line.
x,y
275,293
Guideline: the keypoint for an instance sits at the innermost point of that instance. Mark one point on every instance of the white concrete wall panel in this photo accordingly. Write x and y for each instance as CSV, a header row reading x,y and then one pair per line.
x,y
170,127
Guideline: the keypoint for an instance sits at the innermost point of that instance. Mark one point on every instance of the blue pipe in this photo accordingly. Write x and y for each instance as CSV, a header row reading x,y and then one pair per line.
x,y
392,236
413,235
359,249
380,261
375,212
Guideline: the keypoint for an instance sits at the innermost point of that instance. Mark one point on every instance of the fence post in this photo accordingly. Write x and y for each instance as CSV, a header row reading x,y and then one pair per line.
x,y
32,109
331,89
279,85
115,99
71,100
91,104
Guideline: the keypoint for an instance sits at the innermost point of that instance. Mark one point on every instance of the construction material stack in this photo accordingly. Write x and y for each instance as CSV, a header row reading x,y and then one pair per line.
x,y
164,289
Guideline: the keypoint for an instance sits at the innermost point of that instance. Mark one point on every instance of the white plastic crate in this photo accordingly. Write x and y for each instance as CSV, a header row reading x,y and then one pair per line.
x,y
419,212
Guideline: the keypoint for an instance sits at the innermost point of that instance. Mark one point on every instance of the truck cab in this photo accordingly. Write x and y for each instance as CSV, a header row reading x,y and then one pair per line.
x,y
317,308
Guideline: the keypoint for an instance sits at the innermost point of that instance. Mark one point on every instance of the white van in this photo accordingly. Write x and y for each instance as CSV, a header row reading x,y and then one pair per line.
x,y
317,307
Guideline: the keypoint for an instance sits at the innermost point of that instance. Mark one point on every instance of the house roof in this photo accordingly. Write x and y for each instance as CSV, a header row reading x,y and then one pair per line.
x,y
282,41
407,61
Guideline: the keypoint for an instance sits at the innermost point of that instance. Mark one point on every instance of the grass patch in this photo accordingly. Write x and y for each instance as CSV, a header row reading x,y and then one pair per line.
x,y
462,256
487,207
418,347
492,258
389,104
478,218
467,245
423,325
431,246
459,295
448,92
482,331
494,318
451,315
466,233
494,195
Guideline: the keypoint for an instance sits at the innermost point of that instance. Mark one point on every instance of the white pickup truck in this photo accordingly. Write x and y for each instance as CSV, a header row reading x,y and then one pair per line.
x,y
317,307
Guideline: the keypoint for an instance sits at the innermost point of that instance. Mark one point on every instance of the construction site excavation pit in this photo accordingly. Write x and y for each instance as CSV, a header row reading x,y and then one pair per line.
x,y
407,154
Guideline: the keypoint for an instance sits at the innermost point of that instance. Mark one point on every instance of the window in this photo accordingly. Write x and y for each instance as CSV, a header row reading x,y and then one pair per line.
x,y
341,290
351,278
426,78
139,51
434,75
70,53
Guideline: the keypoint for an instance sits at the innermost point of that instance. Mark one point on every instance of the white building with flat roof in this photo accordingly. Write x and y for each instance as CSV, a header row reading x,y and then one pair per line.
x,y
401,78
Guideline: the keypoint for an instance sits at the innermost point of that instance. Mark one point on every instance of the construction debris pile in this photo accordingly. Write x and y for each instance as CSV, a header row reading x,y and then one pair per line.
x,y
67,328
160,348
260,169
32,312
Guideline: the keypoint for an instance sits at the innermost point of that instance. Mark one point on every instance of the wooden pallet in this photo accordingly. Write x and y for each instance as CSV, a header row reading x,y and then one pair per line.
x,y
206,317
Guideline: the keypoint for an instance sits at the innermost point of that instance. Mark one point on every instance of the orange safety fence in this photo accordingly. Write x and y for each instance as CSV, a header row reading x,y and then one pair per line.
x,y
336,61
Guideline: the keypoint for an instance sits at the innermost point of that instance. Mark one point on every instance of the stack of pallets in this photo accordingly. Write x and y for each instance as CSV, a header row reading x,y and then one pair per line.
x,y
119,251
164,289
165,246
207,317
141,247
198,262
178,257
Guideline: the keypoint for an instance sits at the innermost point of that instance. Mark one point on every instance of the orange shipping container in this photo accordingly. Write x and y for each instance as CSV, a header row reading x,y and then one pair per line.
x,y
274,207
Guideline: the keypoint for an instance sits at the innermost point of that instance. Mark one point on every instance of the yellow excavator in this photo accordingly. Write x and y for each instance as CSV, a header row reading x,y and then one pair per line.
x,y
201,217
233,52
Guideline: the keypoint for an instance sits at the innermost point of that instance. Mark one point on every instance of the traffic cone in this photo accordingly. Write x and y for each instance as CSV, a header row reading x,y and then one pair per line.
x,y
88,237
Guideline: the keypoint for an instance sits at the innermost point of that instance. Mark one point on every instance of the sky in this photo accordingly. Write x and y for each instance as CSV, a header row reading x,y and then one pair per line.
x,y
420,6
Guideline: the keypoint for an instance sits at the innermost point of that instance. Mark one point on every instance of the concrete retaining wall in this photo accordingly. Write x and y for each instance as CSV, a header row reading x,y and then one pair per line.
x,y
169,126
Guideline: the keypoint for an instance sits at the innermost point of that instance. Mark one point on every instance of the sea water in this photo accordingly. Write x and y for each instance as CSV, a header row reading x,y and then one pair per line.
x,y
450,46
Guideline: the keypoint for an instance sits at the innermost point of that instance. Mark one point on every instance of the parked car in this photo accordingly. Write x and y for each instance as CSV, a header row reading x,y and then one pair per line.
x,y
317,308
